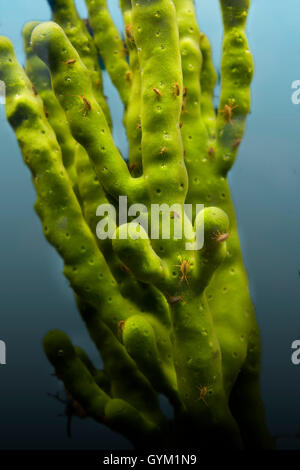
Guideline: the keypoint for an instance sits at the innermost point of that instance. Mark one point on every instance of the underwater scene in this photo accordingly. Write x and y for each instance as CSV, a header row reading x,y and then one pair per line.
x,y
150,253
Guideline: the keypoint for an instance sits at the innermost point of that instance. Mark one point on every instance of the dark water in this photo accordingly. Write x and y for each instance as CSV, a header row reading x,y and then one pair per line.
x,y
266,190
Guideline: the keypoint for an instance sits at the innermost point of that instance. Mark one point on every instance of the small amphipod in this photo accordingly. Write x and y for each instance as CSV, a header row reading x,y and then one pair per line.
x,y
227,111
184,267
86,104
157,92
203,392
70,61
221,237
176,89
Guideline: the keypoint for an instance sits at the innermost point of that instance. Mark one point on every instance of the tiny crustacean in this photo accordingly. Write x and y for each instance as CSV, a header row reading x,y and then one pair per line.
x,y
175,299
129,33
176,89
121,326
204,390
157,92
70,61
221,237
72,408
86,104
227,111
184,268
